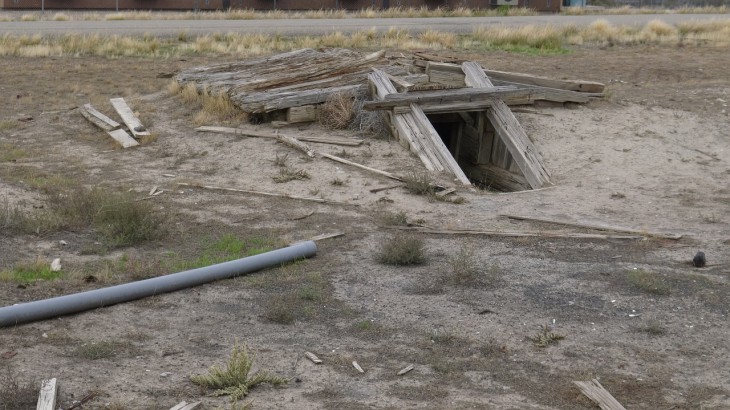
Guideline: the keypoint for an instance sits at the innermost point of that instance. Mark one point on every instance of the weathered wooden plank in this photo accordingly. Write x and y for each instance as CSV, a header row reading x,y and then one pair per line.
x,y
594,391
438,144
246,191
452,78
183,405
296,144
496,178
517,234
405,370
527,79
456,95
306,113
509,131
246,133
403,124
596,227
123,138
47,395
98,119
552,94
127,115
311,356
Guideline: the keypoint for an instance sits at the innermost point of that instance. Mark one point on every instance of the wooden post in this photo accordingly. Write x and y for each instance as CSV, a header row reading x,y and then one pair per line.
x,y
47,395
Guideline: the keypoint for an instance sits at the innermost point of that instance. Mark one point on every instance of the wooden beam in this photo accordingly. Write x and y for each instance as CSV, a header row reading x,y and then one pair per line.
x,y
355,164
246,191
135,125
305,113
246,133
47,395
594,227
594,391
509,130
456,95
517,234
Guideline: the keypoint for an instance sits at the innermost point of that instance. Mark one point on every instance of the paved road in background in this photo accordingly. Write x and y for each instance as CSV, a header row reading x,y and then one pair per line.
x,y
321,26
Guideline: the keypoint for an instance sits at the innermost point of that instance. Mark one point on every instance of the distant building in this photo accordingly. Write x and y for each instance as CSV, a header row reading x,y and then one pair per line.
x,y
540,5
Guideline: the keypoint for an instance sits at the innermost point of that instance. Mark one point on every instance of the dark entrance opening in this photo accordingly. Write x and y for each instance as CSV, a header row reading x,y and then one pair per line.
x,y
471,140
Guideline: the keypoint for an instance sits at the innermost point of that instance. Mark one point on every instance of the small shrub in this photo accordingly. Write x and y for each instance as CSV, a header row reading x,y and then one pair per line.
x,y
287,174
338,111
545,337
649,282
402,250
419,183
464,268
280,309
337,182
393,218
235,379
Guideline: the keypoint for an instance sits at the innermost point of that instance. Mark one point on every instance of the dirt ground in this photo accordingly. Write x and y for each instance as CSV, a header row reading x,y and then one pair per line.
x,y
654,156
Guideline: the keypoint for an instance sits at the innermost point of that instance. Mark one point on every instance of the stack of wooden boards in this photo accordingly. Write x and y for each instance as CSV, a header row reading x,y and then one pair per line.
x,y
488,144
113,128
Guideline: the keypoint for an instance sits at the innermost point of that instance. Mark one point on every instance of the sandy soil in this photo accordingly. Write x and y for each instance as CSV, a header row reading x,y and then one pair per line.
x,y
654,156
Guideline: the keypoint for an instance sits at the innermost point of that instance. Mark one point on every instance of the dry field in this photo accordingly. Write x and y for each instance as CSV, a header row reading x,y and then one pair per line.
x,y
654,156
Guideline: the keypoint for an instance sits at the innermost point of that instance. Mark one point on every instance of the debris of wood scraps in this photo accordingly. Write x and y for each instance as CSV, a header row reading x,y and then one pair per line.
x,y
445,192
299,218
135,125
245,133
295,143
595,227
123,138
262,193
385,188
357,367
313,358
78,403
405,370
355,164
324,236
594,391
47,395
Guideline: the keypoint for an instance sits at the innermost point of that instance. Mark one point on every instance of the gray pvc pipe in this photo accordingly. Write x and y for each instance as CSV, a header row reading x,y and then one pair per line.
x,y
79,302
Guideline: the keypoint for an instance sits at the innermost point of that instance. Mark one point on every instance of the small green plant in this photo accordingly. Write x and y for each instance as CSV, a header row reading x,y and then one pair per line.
x,y
649,282
28,272
287,174
545,337
235,379
402,250
464,267
8,125
419,183
280,309
337,182
97,350
280,161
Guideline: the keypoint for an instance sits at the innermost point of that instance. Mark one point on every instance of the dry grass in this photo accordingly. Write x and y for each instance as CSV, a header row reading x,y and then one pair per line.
x,y
577,11
534,39
402,250
17,393
338,111
214,108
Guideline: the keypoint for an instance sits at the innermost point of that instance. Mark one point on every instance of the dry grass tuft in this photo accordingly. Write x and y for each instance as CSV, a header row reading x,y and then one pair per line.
x,y
419,183
402,250
17,394
338,111
545,337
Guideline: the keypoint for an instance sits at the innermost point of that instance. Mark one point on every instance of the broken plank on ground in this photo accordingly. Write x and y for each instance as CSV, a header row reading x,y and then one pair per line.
x,y
311,356
98,119
595,227
134,124
594,391
183,405
262,193
123,138
47,395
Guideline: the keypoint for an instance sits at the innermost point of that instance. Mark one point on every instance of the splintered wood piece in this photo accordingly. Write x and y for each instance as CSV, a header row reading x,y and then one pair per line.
x,y
594,391
595,227
510,132
355,164
326,236
445,192
47,395
295,143
134,124
123,138
385,188
98,119
183,405
405,370
357,367
313,357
